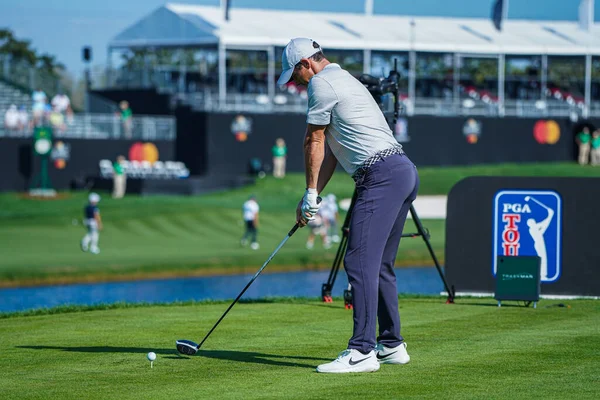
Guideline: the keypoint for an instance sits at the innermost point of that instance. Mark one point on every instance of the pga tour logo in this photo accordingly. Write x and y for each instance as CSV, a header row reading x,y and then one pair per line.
x,y
528,223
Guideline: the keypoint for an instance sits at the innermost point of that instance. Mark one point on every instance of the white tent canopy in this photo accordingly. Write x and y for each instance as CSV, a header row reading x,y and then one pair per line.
x,y
189,25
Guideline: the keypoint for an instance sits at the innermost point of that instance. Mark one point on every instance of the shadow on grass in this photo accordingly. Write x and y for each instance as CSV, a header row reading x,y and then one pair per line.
x,y
240,356
507,305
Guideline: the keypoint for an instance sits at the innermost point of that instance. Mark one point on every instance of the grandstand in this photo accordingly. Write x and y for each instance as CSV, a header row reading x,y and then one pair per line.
x,y
87,126
451,66
11,95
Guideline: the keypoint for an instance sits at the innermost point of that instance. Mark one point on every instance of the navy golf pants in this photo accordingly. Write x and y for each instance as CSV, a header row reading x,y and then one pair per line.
x,y
384,196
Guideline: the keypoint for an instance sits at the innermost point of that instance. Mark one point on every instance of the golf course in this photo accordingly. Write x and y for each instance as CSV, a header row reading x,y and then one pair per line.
x,y
161,236
269,350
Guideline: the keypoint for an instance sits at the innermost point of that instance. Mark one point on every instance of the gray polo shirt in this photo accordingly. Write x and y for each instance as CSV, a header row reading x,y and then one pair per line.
x,y
356,127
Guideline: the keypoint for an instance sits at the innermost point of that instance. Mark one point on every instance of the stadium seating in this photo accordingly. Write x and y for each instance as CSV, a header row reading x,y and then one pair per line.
x,y
11,95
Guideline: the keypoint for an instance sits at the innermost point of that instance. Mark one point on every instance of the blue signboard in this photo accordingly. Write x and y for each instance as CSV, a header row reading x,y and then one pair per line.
x,y
528,223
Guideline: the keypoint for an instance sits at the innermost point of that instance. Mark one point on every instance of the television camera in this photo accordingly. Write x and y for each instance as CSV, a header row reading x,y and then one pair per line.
x,y
380,88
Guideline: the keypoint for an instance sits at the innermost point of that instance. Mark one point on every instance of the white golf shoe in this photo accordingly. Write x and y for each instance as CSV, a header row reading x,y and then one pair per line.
x,y
392,355
351,360
255,246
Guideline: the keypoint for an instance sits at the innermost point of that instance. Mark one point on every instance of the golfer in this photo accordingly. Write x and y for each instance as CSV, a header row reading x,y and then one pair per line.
x,y
345,125
250,211
93,224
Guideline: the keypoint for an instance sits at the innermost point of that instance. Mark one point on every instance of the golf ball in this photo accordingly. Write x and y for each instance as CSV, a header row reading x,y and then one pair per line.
x,y
151,356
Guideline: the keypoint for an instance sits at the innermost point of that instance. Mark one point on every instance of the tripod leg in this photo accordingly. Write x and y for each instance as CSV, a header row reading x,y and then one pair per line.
x,y
327,287
425,236
348,298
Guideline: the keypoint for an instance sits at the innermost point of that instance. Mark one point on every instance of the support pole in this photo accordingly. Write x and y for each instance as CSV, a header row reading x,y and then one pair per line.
x,y
271,73
588,85
222,73
544,78
501,81
456,76
366,61
108,73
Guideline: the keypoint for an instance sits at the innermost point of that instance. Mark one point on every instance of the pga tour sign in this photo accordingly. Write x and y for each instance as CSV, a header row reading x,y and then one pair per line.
x,y
528,223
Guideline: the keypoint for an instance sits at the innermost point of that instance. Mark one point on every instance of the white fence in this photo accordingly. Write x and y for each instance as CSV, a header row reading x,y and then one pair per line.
x,y
105,126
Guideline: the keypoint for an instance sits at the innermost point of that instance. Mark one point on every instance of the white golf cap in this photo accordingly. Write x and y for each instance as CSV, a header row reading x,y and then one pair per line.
x,y
94,197
294,51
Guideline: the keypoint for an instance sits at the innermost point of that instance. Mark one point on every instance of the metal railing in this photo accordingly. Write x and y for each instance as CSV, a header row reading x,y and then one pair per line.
x,y
105,126
27,77
257,103
512,108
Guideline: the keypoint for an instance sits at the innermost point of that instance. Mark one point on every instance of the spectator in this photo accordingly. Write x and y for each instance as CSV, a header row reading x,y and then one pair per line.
x,y
595,143
317,227
57,120
583,139
23,119
250,214
119,179
61,103
330,213
47,114
39,106
126,119
279,156
11,119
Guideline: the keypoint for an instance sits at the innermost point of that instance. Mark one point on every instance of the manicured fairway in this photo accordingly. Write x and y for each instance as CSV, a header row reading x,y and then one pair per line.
x,y
168,235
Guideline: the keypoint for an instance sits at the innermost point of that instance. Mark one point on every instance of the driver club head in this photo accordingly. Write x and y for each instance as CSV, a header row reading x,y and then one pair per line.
x,y
187,347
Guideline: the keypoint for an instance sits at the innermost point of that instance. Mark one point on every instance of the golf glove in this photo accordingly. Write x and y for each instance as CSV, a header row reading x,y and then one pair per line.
x,y
310,204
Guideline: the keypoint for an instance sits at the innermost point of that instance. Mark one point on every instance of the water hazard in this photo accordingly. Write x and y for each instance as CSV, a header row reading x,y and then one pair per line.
x,y
281,284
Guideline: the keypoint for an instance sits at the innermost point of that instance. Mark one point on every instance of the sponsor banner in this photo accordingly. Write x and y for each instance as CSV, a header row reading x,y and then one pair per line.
x,y
529,223
546,132
241,128
401,130
472,130
61,153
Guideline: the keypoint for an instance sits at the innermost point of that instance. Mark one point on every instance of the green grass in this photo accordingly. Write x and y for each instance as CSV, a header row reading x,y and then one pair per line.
x,y
164,235
469,350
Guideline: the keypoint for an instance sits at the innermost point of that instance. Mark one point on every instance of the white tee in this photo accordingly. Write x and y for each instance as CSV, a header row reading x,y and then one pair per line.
x,y
356,128
250,209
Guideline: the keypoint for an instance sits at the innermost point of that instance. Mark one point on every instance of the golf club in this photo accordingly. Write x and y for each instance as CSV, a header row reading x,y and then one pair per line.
x,y
190,348
527,198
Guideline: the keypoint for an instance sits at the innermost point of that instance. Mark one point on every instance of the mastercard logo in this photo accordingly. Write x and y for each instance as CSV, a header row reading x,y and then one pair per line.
x,y
60,163
546,132
143,152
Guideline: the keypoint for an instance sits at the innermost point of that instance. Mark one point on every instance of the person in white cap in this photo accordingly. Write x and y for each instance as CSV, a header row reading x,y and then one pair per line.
x,y
330,214
93,223
346,125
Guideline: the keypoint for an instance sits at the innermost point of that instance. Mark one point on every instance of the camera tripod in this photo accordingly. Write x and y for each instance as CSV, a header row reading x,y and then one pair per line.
x,y
421,231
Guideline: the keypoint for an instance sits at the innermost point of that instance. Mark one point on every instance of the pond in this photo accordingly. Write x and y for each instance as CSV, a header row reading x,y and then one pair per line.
x,y
424,280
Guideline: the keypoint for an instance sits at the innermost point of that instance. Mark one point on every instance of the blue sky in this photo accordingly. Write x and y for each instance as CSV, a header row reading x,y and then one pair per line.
x,y
63,27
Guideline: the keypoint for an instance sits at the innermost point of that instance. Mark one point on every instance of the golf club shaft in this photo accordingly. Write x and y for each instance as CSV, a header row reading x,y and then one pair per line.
x,y
538,202
290,233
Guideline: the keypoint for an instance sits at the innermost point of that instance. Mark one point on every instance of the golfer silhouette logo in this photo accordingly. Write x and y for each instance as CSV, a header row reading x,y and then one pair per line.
x,y
528,223
537,230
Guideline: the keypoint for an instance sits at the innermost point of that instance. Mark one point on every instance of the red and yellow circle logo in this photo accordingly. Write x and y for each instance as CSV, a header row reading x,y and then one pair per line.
x,y
546,132
143,152
241,127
